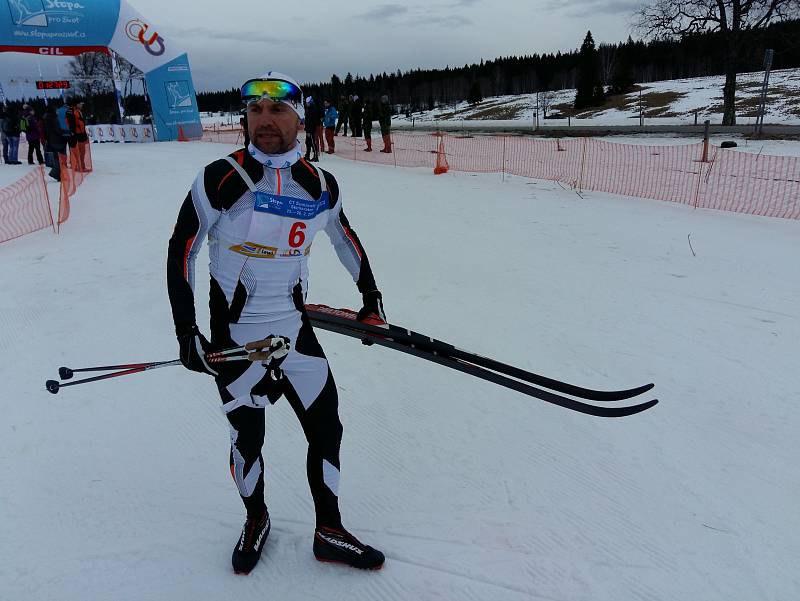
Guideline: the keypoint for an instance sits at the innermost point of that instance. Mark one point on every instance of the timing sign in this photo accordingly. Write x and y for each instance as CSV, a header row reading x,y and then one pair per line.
x,y
52,85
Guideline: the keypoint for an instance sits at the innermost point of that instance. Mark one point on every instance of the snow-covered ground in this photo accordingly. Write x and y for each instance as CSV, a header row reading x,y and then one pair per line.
x,y
120,489
11,173
666,103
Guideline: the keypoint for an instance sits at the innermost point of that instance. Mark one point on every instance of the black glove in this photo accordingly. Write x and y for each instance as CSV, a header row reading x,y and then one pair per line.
x,y
372,311
373,307
193,349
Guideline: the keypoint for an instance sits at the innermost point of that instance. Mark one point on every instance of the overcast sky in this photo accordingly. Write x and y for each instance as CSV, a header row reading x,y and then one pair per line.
x,y
229,42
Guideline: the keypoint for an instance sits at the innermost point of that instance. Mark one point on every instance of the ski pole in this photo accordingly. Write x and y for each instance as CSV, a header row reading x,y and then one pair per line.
x,y
264,350
66,373
53,386
238,353
228,354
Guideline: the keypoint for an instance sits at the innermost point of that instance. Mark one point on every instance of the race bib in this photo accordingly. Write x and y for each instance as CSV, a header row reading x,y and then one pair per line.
x,y
283,226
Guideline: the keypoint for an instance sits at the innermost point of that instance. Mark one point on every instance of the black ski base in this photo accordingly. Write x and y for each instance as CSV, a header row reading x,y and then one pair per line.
x,y
343,322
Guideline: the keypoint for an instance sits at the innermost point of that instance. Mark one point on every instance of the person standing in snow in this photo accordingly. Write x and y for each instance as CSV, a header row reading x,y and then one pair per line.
x,y
261,207
63,123
55,145
355,116
11,130
329,122
343,114
34,131
366,121
312,122
78,137
385,121
3,138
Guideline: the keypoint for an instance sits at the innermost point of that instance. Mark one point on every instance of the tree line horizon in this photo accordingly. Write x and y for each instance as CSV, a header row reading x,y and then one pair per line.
x,y
594,71
615,67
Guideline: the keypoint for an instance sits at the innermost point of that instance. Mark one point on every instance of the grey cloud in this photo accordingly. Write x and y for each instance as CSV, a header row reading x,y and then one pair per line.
x,y
584,8
385,12
417,16
446,20
238,36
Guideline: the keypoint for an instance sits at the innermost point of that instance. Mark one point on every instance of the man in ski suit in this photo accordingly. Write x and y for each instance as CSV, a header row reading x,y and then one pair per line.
x,y
260,208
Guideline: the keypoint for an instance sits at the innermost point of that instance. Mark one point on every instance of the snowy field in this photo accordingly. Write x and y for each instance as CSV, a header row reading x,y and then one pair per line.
x,y
11,173
120,490
743,143
666,102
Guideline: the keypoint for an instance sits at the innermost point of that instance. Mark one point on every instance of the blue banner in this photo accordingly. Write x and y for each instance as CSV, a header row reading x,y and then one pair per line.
x,y
48,23
173,100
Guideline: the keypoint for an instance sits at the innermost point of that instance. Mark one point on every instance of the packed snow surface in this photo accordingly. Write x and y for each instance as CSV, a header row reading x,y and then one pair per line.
x,y
120,489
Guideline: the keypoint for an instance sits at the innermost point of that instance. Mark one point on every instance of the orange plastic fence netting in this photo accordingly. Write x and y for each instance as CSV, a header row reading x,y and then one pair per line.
x,y
659,172
759,184
75,166
25,206
407,151
728,180
223,135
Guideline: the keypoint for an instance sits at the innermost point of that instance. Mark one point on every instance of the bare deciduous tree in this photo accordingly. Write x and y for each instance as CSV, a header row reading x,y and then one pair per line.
x,y
607,54
95,75
545,101
675,18
92,70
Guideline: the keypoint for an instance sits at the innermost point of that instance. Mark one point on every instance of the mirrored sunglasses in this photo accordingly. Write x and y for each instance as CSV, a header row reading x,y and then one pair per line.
x,y
276,90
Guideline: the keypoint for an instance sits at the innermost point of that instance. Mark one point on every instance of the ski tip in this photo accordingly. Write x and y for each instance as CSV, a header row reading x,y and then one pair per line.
x,y
643,407
637,391
622,411
618,395
52,386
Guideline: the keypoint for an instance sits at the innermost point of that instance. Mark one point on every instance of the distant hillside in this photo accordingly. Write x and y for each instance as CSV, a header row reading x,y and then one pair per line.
x,y
635,61
667,102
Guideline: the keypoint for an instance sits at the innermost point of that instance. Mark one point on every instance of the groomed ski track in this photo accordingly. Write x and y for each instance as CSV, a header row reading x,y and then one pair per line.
x,y
120,489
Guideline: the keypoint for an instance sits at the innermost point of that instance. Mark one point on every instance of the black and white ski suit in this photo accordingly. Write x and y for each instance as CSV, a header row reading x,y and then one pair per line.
x,y
260,214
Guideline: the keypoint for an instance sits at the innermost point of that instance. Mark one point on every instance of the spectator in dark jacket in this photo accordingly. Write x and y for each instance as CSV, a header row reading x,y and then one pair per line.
x,y
2,134
313,123
56,144
355,116
11,129
366,121
34,131
385,121
344,115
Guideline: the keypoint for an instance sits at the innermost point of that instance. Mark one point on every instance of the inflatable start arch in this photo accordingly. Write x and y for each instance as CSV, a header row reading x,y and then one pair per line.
x,y
71,27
